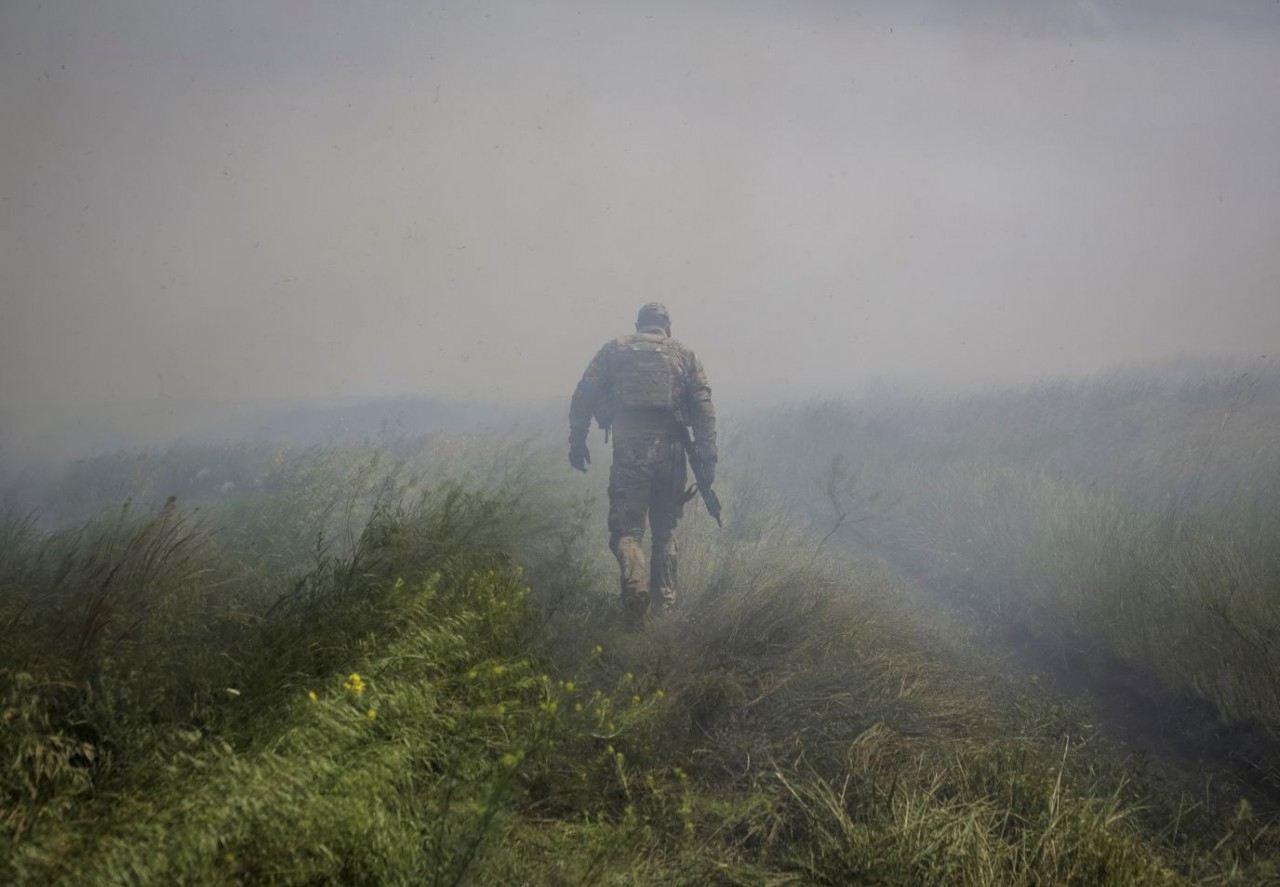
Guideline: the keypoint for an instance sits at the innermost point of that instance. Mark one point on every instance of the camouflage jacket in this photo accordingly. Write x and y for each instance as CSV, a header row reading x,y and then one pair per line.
x,y
594,391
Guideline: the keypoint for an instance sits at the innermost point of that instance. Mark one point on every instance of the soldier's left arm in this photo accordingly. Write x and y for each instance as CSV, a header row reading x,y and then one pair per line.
x,y
701,412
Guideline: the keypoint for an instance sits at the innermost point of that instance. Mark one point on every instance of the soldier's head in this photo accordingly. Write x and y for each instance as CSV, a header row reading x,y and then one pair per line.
x,y
654,316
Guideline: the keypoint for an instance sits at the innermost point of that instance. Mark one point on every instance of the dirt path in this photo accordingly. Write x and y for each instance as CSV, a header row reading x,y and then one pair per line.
x,y
1182,733
1139,713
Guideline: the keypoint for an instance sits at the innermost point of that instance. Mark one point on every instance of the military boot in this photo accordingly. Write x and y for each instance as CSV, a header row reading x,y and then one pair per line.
x,y
634,610
660,609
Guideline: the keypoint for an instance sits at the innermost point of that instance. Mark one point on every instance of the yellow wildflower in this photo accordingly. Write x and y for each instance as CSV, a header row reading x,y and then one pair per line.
x,y
371,714
354,683
311,694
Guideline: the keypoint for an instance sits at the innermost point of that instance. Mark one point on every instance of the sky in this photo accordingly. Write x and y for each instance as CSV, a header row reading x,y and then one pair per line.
x,y
270,200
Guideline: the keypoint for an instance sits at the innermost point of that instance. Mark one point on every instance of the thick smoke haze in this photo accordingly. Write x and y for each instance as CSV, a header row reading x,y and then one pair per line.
x,y
244,200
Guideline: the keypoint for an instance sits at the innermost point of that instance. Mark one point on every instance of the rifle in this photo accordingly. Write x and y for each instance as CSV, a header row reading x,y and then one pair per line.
x,y
709,497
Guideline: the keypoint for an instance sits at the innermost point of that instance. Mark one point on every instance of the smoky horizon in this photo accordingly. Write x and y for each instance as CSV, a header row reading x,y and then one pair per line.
x,y
232,203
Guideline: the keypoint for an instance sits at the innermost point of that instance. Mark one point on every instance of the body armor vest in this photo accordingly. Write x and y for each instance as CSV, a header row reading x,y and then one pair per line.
x,y
646,374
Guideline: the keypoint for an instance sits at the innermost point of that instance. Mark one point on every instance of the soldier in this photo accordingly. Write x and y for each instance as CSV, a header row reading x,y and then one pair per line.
x,y
646,388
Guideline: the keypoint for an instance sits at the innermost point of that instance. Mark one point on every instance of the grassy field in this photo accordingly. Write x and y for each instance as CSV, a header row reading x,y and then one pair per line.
x,y
1127,524
406,665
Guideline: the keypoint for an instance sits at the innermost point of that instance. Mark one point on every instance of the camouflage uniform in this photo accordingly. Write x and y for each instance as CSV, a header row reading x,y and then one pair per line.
x,y
649,472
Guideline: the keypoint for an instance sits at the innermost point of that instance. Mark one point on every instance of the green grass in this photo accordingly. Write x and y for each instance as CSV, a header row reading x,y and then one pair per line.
x,y
1137,516
480,717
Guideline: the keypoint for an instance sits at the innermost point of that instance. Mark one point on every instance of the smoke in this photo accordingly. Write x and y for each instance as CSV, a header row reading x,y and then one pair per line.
x,y
230,201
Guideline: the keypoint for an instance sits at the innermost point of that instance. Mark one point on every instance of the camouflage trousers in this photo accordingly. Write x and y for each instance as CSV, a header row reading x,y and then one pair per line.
x,y
647,481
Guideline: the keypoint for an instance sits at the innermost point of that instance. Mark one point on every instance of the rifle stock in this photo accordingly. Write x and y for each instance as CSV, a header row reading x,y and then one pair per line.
x,y
709,497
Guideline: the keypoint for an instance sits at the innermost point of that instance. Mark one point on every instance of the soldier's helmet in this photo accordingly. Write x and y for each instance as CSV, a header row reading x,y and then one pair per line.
x,y
653,312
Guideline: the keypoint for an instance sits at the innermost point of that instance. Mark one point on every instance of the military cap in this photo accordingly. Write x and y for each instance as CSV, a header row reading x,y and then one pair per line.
x,y
653,311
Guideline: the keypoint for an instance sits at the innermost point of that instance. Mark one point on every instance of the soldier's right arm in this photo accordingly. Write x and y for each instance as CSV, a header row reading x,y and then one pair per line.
x,y
585,397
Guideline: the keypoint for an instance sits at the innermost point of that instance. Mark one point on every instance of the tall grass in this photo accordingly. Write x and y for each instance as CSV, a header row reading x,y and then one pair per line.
x,y
442,693
1137,514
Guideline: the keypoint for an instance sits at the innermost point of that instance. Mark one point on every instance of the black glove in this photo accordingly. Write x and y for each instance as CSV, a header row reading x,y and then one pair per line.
x,y
579,456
